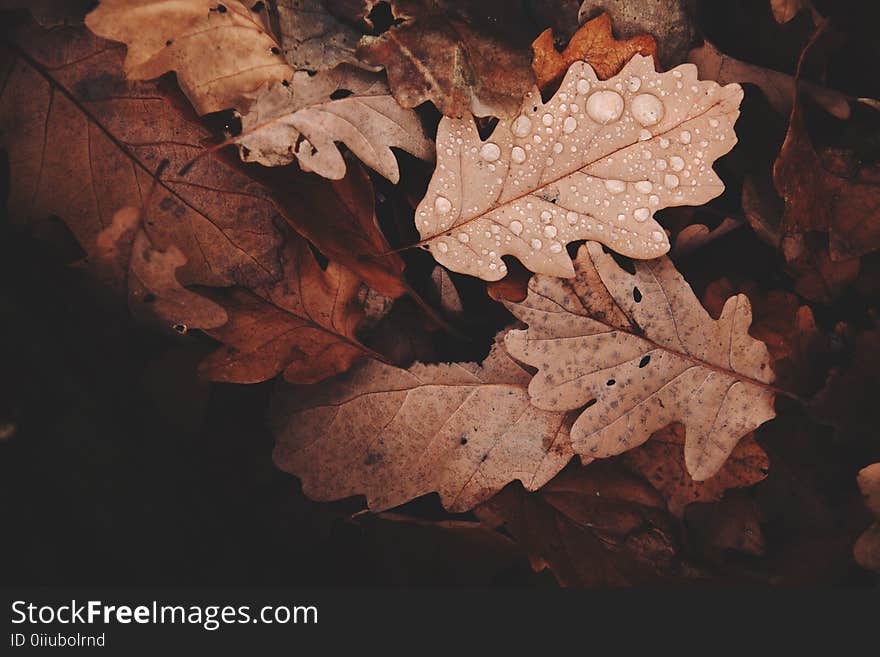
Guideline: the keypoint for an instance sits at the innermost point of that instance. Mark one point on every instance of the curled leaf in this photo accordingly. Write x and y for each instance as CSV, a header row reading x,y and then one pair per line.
x,y
176,35
308,117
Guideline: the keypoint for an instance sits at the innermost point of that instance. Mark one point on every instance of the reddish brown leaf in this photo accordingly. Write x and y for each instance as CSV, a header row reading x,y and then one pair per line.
x,y
594,44
591,526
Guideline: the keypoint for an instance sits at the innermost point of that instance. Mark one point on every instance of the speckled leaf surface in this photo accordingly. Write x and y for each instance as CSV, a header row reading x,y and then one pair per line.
x,y
463,430
638,352
594,162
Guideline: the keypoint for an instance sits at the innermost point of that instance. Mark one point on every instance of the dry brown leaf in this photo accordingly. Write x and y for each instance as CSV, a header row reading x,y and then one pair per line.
x,y
86,142
640,352
312,38
593,526
595,162
827,191
457,55
660,461
177,35
696,236
462,430
777,87
592,43
304,120
867,547
669,22
304,325
52,13
339,218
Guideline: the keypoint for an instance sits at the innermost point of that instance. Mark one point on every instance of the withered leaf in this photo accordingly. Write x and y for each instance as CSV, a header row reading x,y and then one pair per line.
x,y
777,87
305,120
456,55
695,236
594,162
639,351
660,461
592,43
124,253
462,430
177,35
827,192
339,218
304,325
591,526
85,143
867,547
312,39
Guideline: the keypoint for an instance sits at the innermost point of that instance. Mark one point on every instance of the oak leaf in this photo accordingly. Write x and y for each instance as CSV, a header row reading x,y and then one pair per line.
x,y
85,142
639,351
305,119
592,43
312,39
462,430
594,162
660,461
463,57
302,326
593,526
867,547
221,52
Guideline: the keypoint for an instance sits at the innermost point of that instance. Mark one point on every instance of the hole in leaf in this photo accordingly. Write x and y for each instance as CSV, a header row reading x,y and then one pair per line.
x,y
339,94
382,18
645,360
180,328
149,297
610,382
258,7
485,126
463,440
275,50
221,9
637,295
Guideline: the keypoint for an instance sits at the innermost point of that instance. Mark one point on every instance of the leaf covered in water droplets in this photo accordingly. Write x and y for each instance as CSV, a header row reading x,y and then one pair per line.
x,y
638,352
594,162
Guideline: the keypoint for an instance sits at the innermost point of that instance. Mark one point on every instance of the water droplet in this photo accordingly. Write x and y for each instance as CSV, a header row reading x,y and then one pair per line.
x,y
713,123
464,238
615,186
569,125
557,147
653,199
634,83
572,218
661,164
518,155
676,74
546,216
583,86
442,204
644,186
442,247
536,243
647,155
676,163
522,126
641,214
685,137
664,142
575,108
658,236
556,247
644,135
516,227
605,106
621,217
647,109
550,231
670,180
490,152
547,119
